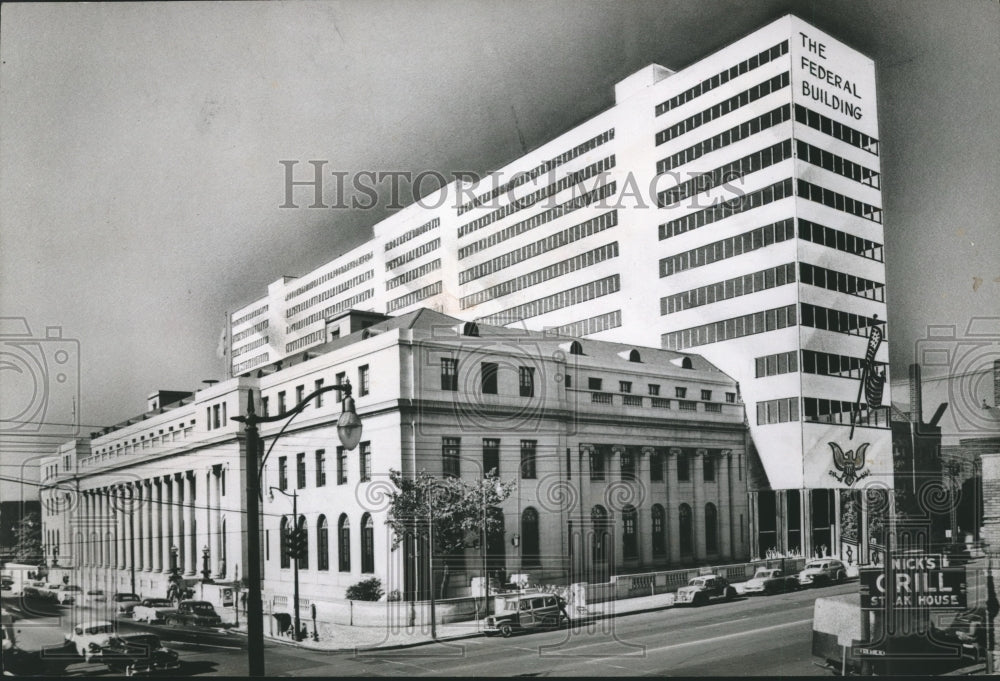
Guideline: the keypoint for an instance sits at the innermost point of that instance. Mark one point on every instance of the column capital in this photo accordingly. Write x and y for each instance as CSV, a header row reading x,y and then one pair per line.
x,y
179,477
701,452
726,453
587,448
675,451
648,451
618,450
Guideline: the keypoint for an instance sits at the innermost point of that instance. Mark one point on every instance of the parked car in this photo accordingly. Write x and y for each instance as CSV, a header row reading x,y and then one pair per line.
x,y
67,594
770,581
153,610
527,611
33,589
124,602
138,654
89,637
94,596
822,571
700,590
195,614
49,591
6,583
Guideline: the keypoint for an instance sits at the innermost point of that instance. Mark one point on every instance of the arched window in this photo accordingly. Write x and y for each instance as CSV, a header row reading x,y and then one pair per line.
x,y
686,537
630,545
470,329
367,543
344,543
686,363
575,348
322,544
286,560
659,531
633,356
530,547
304,528
711,528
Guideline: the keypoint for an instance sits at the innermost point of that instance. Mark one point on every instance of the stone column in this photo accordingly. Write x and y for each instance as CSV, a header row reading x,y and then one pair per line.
x,y
212,504
103,526
645,522
149,528
166,528
698,480
190,526
128,495
673,505
139,524
725,507
176,505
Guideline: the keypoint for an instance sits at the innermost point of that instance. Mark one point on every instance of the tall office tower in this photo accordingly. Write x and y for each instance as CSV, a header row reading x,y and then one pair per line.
x,y
730,208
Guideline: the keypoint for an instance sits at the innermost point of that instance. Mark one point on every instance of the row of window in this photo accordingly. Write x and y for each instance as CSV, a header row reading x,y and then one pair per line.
x,y
323,543
412,234
415,273
723,77
725,209
363,387
728,248
589,326
780,363
837,130
782,410
331,310
734,170
727,329
841,282
813,362
257,360
730,288
420,250
842,241
530,279
840,411
832,199
819,317
410,298
451,457
557,240
308,339
253,345
364,463
837,164
534,197
330,293
215,416
360,260
557,301
722,108
246,333
596,195
521,178
724,139
250,315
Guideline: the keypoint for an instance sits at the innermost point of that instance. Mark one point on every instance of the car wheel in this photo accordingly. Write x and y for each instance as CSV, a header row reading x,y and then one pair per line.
x,y
505,629
840,577
730,593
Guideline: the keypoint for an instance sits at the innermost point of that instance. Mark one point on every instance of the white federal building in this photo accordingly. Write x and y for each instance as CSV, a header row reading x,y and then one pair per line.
x,y
730,208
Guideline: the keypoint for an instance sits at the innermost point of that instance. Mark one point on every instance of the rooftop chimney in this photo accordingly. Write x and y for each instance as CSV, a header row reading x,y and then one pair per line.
x,y
916,395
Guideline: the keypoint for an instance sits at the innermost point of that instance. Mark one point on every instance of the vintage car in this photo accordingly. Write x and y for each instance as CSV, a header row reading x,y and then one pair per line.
x,y
6,583
124,603
194,614
94,596
89,637
138,654
33,589
770,581
153,610
822,571
527,611
700,590
67,594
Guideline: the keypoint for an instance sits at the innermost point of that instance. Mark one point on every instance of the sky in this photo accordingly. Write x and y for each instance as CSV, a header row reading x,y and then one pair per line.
x,y
140,149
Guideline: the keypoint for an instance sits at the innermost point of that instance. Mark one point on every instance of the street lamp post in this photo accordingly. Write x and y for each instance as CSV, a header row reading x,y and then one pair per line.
x,y
349,432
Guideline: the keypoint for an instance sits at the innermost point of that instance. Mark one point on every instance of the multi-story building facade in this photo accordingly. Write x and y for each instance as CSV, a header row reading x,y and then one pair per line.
x,y
732,208
624,459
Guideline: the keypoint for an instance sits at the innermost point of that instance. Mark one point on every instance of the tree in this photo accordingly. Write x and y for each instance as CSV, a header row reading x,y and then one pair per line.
x,y
454,511
28,539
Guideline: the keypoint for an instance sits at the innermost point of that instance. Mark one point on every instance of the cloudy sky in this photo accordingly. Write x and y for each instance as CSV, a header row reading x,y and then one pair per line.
x,y
140,181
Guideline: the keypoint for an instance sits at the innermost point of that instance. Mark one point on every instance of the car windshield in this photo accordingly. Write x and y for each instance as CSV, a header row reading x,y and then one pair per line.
x,y
510,606
815,564
697,581
202,607
126,597
99,629
159,603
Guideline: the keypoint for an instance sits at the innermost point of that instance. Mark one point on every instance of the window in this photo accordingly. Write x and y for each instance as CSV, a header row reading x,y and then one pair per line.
x,y
319,398
706,395
367,544
491,456
450,453
341,466
449,373
363,385
322,544
625,386
686,535
344,543
778,411
596,464
725,173
628,465
281,402
719,211
654,389
340,379
488,378
300,470
304,529
683,467
594,383
630,547
300,392
731,398
216,411
659,534
711,528
263,406
530,544
656,466
365,450
283,473
320,467
680,393
526,377
286,560
528,459
708,469
575,348
568,381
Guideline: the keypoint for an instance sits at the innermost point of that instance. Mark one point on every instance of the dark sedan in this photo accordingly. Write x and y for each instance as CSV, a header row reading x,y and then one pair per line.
x,y
138,654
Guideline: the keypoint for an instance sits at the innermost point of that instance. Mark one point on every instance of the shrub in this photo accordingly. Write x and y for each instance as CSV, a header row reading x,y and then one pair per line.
x,y
365,590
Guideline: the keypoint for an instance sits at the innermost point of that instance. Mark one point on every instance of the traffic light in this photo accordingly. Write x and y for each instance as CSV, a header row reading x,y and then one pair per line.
x,y
297,544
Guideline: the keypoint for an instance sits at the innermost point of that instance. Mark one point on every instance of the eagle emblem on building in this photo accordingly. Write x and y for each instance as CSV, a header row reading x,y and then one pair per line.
x,y
849,463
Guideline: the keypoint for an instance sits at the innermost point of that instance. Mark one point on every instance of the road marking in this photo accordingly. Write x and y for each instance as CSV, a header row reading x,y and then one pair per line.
x,y
728,636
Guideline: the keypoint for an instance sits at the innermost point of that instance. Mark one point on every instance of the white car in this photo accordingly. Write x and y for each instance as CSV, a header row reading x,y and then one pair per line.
x,y
68,593
94,596
822,571
153,610
89,637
